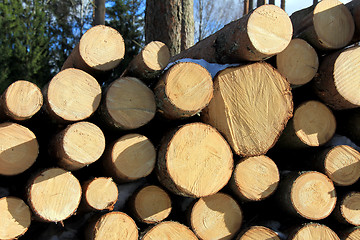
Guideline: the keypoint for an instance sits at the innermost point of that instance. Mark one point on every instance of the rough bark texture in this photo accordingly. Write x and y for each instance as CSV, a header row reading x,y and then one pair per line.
x,y
187,24
99,8
246,7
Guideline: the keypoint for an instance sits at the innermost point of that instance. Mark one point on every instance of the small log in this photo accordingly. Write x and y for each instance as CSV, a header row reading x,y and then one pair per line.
x,y
310,195
350,234
112,226
314,231
15,218
347,209
202,167
78,145
184,90
99,194
129,158
169,230
299,62
21,100
100,49
54,195
19,148
258,233
255,178
149,63
250,107
151,204
337,81
313,125
71,95
216,217
354,8
328,25
264,32
128,104
341,164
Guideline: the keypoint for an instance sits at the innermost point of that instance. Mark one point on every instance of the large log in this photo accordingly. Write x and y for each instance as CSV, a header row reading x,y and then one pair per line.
x,y
314,231
264,32
169,230
250,107
328,25
350,234
354,8
347,209
202,167
258,233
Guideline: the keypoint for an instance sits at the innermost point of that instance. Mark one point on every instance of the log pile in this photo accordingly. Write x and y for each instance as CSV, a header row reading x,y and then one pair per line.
x,y
264,148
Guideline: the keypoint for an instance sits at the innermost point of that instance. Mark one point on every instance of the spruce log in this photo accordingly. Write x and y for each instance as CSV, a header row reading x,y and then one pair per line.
x,y
169,230
337,82
19,148
112,226
347,209
71,95
310,195
151,204
314,231
350,234
354,8
129,158
184,90
148,64
258,233
128,104
99,194
255,178
21,100
341,164
328,25
299,62
313,125
100,49
250,107
202,167
216,217
15,218
78,145
264,32
54,195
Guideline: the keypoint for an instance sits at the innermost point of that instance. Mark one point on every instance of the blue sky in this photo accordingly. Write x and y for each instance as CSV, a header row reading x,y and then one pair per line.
x,y
295,5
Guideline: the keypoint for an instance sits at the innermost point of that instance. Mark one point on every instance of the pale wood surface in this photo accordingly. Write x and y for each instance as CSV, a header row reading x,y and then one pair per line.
x,y
202,167
169,230
19,148
314,231
348,209
258,233
250,107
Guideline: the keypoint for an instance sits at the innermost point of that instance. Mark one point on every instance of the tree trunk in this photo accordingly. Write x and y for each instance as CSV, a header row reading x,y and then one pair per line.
x,y
99,9
282,5
315,2
251,5
315,230
246,7
272,2
261,2
169,230
258,233
347,209
187,24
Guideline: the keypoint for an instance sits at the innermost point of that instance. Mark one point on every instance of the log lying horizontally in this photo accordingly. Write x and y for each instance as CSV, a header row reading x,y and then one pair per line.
x,y
258,233
354,8
348,209
169,230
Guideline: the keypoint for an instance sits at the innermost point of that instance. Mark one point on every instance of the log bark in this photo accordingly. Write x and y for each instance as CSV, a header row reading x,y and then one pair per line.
x,y
347,209
255,178
350,234
71,95
127,104
299,62
216,217
15,218
129,158
326,26
202,167
169,230
253,124
78,145
246,7
187,24
54,195
19,148
354,8
99,10
258,233
262,33
315,230
349,124
20,101
313,125
337,81
184,90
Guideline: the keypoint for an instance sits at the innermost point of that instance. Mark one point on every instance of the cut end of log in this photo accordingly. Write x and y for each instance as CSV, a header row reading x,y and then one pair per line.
x,y
202,167
18,148
255,178
313,195
73,95
15,218
333,24
54,195
269,29
156,56
342,165
299,62
152,204
100,193
130,103
169,230
22,100
350,208
258,233
102,48
316,231
132,157
216,217
314,123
